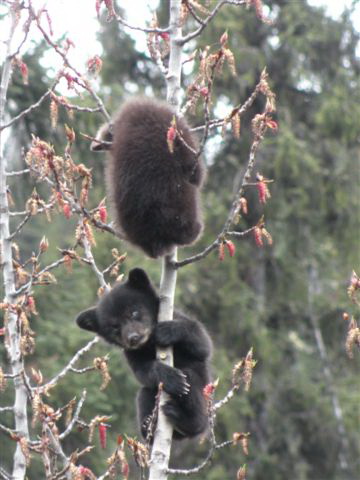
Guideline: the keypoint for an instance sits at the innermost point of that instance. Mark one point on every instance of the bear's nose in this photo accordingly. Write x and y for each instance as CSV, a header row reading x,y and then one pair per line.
x,y
133,339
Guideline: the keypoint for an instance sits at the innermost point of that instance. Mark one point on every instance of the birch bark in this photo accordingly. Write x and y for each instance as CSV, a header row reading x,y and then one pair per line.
x,y
161,448
13,335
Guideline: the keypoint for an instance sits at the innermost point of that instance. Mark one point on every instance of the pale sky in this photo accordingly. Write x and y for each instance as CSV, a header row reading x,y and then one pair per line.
x,y
78,18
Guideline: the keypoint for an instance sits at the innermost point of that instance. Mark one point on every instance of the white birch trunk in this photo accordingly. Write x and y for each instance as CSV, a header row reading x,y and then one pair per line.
x,y
329,380
161,448
13,335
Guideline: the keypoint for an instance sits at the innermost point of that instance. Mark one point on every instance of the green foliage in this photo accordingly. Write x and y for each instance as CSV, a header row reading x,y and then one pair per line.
x,y
259,298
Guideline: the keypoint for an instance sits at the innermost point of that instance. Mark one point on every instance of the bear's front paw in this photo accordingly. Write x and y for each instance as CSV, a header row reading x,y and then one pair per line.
x,y
175,382
166,333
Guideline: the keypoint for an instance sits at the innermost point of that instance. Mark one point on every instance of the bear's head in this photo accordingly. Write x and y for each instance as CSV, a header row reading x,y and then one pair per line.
x,y
127,314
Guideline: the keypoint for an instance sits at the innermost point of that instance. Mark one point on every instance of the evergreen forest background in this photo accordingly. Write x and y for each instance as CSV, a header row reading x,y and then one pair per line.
x,y
273,299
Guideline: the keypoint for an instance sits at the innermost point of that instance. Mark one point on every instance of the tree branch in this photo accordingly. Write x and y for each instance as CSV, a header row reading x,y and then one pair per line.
x,y
68,367
211,247
337,410
75,417
13,335
160,453
89,256
31,108
208,19
19,172
86,84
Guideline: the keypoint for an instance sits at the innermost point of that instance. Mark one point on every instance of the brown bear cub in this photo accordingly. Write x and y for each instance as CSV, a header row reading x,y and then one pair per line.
x,y
127,317
154,193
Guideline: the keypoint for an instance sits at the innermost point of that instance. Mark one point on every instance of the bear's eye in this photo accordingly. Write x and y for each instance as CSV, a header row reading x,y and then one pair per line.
x,y
135,314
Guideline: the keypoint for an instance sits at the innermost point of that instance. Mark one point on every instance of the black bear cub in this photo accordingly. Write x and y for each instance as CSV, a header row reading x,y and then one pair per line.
x,y
127,317
154,193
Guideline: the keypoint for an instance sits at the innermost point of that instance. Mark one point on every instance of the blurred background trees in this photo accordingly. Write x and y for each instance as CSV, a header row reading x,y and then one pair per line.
x,y
272,298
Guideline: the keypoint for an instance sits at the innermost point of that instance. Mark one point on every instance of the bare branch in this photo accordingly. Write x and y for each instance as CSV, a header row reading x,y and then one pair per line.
x,y
6,409
78,108
7,430
240,110
20,226
193,13
208,19
80,371
202,465
75,417
86,84
141,29
89,256
32,107
235,208
211,247
26,30
4,475
230,394
69,366
28,285
25,212
13,344
19,172
158,58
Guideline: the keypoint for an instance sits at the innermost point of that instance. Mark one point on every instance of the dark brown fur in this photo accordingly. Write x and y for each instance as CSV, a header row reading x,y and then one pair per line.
x,y
154,193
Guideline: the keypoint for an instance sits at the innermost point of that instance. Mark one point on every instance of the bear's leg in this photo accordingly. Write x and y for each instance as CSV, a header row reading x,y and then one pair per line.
x,y
188,231
145,409
188,414
187,420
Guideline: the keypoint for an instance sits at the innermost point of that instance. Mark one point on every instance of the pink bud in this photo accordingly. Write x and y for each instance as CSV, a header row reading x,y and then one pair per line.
x,y
165,36
102,434
231,247
67,210
224,38
204,91
103,213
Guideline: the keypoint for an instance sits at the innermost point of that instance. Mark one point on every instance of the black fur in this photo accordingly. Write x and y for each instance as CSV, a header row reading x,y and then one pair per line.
x,y
154,193
127,317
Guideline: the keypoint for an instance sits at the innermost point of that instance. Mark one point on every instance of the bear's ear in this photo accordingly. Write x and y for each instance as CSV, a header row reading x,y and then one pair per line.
x,y
88,320
104,135
138,279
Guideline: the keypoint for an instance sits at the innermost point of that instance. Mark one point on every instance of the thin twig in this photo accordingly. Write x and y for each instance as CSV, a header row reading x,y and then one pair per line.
x,y
4,475
32,107
49,206
211,247
141,29
258,136
69,366
208,19
193,13
240,110
86,84
8,430
6,409
78,108
80,371
89,256
96,140
20,226
75,417
158,58
227,397
19,172
26,29
53,265
191,471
